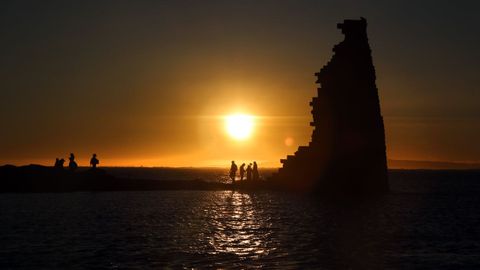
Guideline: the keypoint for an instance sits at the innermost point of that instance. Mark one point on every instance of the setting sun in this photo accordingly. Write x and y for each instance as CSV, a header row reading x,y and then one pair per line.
x,y
239,126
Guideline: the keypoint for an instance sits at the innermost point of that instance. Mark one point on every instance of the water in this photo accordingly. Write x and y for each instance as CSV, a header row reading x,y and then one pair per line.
x,y
429,220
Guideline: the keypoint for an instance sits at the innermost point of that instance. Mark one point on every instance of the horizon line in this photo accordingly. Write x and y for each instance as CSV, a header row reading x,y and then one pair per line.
x,y
432,162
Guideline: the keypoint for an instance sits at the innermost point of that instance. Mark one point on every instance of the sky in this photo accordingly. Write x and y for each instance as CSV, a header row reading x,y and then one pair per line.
x,y
147,83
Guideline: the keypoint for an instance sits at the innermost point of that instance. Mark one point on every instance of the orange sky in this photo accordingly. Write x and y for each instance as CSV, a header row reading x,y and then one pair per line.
x,y
148,83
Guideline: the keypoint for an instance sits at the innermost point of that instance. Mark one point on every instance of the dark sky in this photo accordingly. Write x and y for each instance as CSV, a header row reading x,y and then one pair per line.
x,y
146,82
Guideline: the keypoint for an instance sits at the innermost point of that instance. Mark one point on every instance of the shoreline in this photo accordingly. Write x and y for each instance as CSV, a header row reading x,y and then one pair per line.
x,y
43,179
38,179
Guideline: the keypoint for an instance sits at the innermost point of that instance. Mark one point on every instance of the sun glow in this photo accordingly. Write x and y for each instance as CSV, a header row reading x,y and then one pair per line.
x,y
239,126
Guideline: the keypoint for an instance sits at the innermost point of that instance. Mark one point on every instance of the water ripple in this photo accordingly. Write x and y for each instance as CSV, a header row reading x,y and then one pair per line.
x,y
230,229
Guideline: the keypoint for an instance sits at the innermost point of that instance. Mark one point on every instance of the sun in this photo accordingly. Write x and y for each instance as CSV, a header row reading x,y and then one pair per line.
x,y
239,126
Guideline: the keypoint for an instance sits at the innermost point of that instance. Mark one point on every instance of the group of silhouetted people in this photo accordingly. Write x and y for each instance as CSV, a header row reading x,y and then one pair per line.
x,y
72,165
252,171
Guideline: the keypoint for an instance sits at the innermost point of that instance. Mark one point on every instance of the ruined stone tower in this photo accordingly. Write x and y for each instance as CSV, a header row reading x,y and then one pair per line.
x,y
347,150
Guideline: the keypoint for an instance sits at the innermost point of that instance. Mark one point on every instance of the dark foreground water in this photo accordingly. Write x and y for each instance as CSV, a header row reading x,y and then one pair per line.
x,y
429,220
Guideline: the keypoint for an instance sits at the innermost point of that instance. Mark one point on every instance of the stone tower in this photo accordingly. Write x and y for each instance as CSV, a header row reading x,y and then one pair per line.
x,y
347,150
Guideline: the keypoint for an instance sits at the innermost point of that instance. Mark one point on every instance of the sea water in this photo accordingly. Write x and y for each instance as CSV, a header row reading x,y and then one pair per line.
x,y
428,220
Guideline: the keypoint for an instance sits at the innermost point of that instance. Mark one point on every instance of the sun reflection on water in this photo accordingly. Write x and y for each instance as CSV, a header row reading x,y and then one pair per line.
x,y
238,226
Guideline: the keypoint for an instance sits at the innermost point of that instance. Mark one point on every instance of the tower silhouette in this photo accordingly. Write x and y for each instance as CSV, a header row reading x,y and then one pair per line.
x,y
347,151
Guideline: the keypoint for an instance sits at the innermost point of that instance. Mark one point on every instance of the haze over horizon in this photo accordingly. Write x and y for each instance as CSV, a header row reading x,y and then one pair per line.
x,y
147,83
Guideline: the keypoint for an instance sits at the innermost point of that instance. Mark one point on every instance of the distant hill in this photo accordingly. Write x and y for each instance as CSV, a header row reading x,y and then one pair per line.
x,y
433,165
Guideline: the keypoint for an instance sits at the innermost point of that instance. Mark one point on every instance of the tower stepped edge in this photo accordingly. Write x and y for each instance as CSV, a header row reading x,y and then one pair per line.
x,y
347,151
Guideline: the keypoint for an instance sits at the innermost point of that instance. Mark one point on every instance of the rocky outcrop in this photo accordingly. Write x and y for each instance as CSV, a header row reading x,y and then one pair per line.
x,y
347,149
36,178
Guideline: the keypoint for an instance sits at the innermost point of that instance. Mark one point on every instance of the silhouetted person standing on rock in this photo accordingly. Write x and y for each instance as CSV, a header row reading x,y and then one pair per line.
x,y
256,177
94,161
242,171
249,172
72,165
59,163
233,171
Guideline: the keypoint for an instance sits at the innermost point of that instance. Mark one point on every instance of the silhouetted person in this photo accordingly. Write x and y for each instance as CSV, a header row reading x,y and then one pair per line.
x,y
255,171
94,161
233,171
59,163
249,172
242,171
72,165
